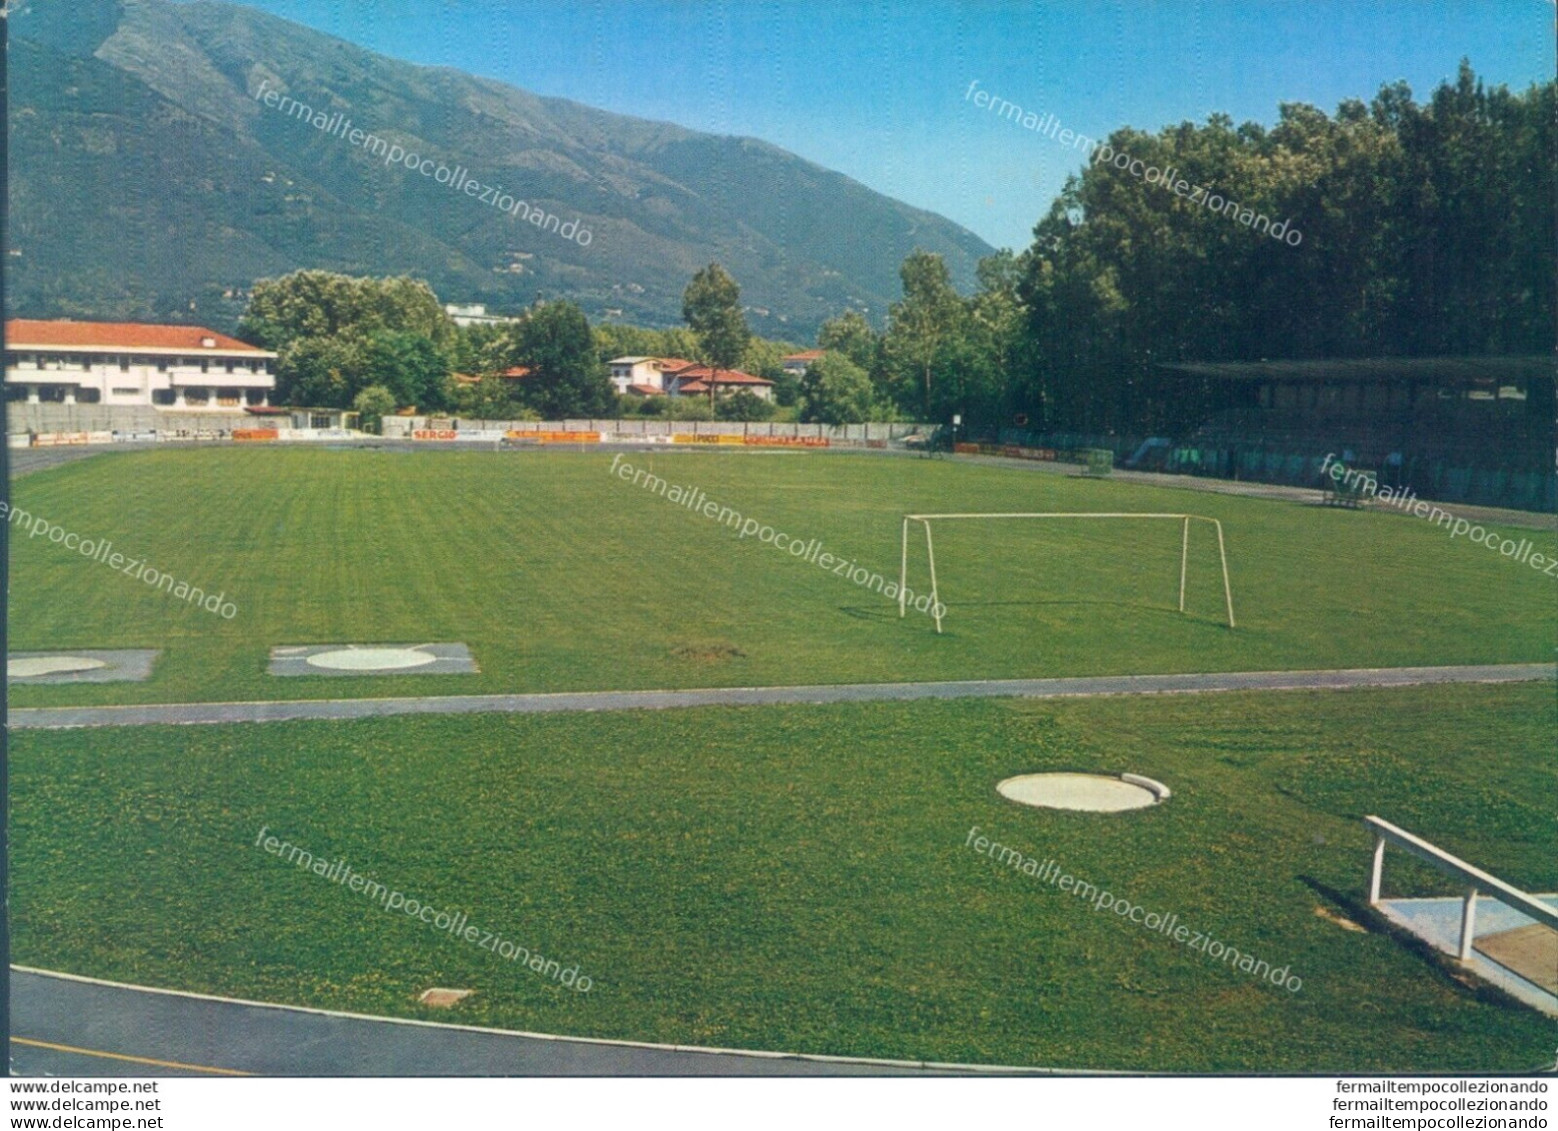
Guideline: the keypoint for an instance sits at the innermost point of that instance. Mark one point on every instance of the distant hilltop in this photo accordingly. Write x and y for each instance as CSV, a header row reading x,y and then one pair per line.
x,y
150,181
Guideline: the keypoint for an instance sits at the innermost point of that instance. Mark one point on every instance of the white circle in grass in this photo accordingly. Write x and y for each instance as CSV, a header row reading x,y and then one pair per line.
x,y
371,659
51,665
1088,793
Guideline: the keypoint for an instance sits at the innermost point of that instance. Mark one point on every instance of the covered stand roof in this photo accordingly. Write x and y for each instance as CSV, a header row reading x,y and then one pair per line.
x,y
1436,370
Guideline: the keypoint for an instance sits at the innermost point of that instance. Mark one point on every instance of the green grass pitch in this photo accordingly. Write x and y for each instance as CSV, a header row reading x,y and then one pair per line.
x,y
561,577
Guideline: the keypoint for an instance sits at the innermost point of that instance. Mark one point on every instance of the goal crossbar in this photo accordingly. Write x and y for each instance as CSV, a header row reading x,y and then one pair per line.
x,y
930,550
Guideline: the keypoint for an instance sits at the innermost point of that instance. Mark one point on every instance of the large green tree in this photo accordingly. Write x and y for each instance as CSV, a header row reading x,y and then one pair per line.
x,y
326,304
567,378
851,335
919,325
410,367
711,307
320,372
337,334
834,390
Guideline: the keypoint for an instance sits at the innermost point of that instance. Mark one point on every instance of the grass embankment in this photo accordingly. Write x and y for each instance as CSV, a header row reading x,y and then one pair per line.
x,y
797,877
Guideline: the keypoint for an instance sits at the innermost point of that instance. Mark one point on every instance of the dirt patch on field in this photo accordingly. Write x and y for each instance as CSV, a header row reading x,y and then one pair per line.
x,y
1530,951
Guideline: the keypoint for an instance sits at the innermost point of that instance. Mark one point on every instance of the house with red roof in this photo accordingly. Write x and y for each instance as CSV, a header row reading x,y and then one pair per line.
x,y
795,364
698,380
643,376
655,376
134,364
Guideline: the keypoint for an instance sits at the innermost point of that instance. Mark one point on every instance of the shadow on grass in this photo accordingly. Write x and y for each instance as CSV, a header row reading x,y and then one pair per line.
x,y
1446,970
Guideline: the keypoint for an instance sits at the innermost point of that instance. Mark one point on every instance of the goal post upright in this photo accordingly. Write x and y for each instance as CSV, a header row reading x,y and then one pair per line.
x,y
1184,559
1222,554
935,596
1184,550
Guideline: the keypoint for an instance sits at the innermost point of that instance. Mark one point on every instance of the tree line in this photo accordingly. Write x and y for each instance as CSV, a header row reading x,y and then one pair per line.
x,y
1427,229
381,345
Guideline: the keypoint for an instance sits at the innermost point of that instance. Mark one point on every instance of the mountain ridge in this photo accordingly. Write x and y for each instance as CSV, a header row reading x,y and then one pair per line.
x,y
203,162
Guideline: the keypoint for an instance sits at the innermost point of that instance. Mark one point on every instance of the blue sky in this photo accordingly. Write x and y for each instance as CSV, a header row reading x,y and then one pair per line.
x,y
876,89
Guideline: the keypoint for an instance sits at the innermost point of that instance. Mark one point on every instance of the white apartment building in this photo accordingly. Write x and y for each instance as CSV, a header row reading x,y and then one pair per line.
x,y
134,364
474,314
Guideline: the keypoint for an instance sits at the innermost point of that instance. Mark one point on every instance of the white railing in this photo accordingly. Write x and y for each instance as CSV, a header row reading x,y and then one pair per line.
x,y
1475,879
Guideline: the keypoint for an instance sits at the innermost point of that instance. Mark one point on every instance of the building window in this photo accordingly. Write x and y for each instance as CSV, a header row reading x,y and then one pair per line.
x,y
88,396
162,396
230,366
124,364
205,365
127,392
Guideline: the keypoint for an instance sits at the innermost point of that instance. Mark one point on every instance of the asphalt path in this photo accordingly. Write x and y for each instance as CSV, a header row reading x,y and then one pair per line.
x,y
66,1026
280,711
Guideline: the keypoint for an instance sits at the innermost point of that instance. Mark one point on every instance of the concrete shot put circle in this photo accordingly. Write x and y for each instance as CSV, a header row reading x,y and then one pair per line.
x,y
91,666
51,665
371,659
1087,793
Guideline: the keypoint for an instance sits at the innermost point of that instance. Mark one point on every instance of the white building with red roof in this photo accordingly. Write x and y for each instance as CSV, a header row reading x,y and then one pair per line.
x,y
643,376
695,380
134,364
796,363
652,376
635,374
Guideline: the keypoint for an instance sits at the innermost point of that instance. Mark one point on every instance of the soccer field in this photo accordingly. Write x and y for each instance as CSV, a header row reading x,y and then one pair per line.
x,y
800,878
560,576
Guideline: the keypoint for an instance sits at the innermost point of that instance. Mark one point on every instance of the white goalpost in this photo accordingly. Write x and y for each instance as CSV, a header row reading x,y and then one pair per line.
x,y
930,550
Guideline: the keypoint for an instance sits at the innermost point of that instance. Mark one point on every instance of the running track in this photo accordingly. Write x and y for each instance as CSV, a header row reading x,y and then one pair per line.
x,y
67,1026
